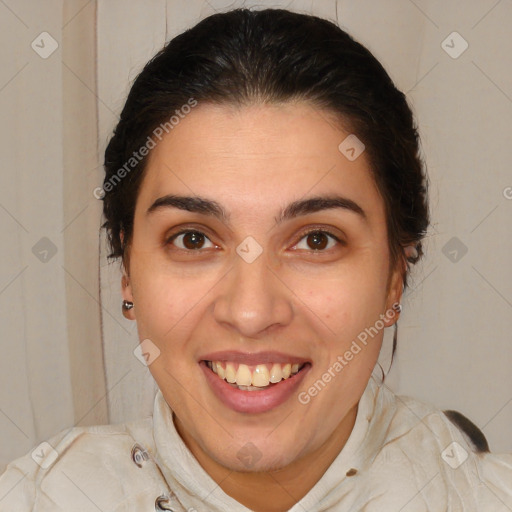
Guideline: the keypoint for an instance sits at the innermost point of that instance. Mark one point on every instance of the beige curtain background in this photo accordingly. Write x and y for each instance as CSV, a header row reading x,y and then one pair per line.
x,y
68,351
51,369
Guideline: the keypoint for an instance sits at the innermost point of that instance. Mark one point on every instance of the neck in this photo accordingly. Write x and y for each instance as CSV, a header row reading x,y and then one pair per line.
x,y
279,490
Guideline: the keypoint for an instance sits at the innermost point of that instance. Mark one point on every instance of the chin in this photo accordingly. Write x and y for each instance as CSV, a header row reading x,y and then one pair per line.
x,y
260,454
254,461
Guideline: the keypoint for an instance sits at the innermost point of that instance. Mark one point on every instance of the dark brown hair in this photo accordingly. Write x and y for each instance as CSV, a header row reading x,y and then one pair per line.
x,y
273,55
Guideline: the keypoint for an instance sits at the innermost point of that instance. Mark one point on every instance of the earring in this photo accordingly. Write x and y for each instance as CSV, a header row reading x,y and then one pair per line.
x,y
127,305
398,308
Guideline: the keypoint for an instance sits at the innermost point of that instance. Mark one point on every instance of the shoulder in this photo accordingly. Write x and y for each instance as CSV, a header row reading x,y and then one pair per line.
x,y
411,415
98,464
446,446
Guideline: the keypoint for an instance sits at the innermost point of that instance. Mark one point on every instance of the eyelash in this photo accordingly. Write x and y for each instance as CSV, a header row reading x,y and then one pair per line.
x,y
303,235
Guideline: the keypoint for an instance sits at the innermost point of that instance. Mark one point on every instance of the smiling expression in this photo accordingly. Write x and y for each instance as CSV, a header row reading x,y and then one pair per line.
x,y
257,243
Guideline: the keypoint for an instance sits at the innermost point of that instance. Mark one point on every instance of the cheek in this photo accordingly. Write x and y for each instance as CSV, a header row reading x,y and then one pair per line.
x,y
168,305
347,298
159,300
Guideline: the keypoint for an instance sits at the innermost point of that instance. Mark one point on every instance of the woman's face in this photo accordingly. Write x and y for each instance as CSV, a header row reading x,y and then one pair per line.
x,y
260,280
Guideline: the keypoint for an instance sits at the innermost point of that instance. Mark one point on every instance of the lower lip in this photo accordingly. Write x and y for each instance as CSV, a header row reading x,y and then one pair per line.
x,y
253,401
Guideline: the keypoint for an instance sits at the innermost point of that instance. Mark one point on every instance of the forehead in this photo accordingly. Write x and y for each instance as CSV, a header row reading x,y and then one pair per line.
x,y
255,157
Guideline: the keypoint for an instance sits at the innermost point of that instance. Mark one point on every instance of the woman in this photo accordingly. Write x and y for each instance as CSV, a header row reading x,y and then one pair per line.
x,y
265,194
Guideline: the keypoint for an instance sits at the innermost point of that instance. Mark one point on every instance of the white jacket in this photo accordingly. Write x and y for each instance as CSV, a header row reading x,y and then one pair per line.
x,y
402,455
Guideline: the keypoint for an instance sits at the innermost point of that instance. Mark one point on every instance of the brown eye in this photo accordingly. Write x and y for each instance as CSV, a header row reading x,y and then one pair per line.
x,y
190,240
318,240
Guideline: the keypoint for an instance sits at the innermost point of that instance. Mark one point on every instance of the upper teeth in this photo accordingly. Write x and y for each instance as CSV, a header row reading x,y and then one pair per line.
x,y
260,375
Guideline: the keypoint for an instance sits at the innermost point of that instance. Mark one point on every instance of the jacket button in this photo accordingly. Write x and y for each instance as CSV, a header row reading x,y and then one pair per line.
x,y
162,503
139,455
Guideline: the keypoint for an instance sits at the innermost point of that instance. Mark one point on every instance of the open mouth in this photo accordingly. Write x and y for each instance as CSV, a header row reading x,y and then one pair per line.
x,y
254,377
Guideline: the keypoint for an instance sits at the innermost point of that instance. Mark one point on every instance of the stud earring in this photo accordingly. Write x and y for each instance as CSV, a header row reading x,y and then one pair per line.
x,y
127,305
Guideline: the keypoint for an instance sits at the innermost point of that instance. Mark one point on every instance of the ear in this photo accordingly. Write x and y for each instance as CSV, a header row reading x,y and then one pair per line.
x,y
126,291
394,295
126,288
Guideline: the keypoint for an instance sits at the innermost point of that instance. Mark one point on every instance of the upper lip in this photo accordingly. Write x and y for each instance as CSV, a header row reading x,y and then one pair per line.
x,y
253,358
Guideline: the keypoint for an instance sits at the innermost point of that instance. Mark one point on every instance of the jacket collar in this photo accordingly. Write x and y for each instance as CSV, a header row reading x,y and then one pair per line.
x,y
194,488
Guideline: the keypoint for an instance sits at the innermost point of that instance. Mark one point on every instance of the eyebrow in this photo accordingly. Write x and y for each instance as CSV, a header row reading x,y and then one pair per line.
x,y
197,204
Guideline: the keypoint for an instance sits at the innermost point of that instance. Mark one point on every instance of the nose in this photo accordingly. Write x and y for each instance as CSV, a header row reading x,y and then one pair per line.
x,y
253,300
